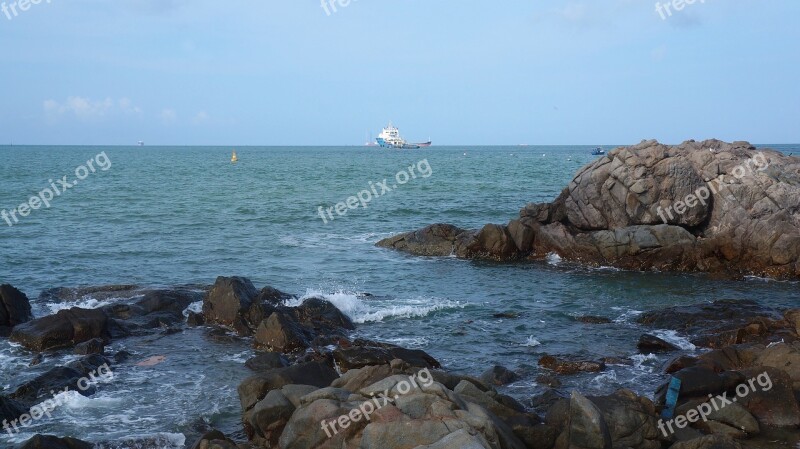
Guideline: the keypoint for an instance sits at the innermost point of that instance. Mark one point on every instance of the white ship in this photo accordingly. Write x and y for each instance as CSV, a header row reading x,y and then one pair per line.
x,y
390,138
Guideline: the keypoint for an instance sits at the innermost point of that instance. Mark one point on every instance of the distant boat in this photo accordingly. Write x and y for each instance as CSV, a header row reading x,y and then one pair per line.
x,y
234,158
370,141
140,143
390,138
598,151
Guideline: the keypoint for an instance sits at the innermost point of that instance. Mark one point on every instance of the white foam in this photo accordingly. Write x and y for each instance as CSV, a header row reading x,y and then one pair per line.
x,y
639,361
672,336
626,315
531,342
553,259
377,310
196,307
83,303
607,378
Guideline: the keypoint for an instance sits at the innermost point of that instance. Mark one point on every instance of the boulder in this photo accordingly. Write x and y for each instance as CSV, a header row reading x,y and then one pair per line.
x,y
93,346
14,308
563,366
499,375
228,300
64,329
51,442
255,388
267,361
10,409
772,402
587,427
363,353
281,333
708,442
784,357
631,419
733,210
650,343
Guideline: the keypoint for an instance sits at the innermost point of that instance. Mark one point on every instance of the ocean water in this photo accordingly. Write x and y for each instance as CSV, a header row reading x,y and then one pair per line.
x,y
161,216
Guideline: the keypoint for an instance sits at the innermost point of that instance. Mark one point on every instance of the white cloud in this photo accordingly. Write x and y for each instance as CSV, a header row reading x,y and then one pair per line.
x,y
168,116
201,118
87,109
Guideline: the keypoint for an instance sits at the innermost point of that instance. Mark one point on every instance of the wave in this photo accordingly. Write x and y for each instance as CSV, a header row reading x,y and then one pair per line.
x,y
377,310
672,336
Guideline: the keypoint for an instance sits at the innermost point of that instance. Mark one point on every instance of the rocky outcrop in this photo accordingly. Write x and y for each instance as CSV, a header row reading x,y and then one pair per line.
x,y
14,309
51,442
699,206
64,329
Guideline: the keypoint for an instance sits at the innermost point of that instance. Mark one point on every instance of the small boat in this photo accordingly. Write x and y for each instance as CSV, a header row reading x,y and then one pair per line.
x,y
234,158
140,143
598,151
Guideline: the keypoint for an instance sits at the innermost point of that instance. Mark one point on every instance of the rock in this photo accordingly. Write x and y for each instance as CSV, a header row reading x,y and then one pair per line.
x,y
461,439
433,240
64,329
265,422
368,353
587,427
548,381
195,319
631,419
10,409
793,318
228,301
562,366
267,361
588,319
14,309
93,346
37,359
652,207
772,402
322,315
506,315
51,442
255,388
784,357
59,379
214,439
280,333
650,343
708,442
499,375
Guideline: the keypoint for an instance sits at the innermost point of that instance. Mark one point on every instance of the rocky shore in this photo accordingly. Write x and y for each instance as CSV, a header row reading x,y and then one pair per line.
x,y
705,206
314,386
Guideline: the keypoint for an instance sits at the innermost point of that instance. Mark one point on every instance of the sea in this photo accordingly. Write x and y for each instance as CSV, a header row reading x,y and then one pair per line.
x,y
165,216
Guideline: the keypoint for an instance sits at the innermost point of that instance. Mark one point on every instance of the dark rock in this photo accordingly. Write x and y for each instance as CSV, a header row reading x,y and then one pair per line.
x,y
10,409
93,346
102,292
255,388
51,442
563,366
195,319
499,375
548,399
587,427
322,315
122,356
588,319
775,407
708,442
678,363
281,333
267,361
548,381
56,379
228,300
506,315
37,359
272,296
433,240
631,419
64,329
14,307
367,353
650,343
214,439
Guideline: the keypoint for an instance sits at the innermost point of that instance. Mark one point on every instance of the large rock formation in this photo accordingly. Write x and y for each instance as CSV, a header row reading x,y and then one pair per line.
x,y
14,309
698,206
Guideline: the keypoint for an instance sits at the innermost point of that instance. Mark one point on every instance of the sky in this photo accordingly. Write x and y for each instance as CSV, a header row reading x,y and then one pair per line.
x,y
292,72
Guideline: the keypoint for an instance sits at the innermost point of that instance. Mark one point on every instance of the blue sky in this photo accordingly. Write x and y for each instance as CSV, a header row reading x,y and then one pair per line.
x,y
284,72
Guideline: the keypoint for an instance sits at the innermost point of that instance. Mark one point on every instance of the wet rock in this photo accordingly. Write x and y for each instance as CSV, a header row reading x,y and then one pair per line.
x,y
784,357
650,343
93,346
563,366
267,361
64,329
366,353
499,375
100,293
10,409
228,300
14,309
322,316
51,442
506,315
433,240
37,359
195,319
549,381
214,439
281,333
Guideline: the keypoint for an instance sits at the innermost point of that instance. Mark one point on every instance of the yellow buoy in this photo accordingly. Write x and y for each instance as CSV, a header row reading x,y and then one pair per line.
x,y
234,158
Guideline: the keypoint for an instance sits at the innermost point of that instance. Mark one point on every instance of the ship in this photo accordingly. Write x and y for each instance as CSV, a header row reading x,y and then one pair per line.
x,y
599,151
390,138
